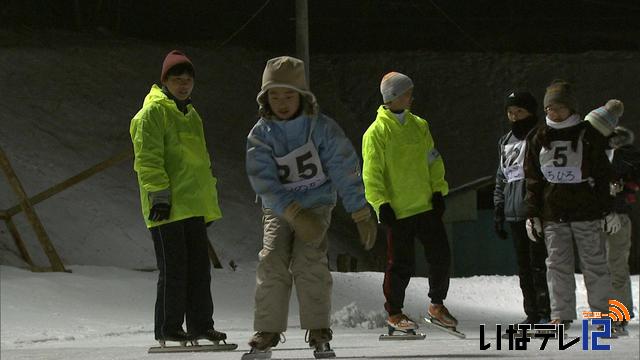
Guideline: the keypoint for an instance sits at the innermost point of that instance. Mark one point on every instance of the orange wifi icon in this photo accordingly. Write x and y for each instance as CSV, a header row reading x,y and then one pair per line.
x,y
617,311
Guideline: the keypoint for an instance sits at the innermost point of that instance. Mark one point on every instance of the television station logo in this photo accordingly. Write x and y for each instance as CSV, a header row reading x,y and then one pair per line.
x,y
595,326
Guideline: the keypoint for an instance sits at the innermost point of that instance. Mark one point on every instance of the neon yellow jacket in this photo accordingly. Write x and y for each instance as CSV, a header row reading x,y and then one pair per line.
x,y
401,165
171,153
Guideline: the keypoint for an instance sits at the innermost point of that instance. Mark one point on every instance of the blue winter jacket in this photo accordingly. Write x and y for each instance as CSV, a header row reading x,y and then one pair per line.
x,y
340,163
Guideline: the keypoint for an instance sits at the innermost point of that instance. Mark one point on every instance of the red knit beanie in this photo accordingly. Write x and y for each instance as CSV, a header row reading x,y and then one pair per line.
x,y
172,59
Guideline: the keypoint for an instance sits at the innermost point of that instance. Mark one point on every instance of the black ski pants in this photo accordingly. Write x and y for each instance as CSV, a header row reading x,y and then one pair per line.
x,y
429,229
184,279
532,272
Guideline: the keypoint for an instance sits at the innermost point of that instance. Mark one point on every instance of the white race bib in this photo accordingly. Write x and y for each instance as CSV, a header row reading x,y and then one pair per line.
x,y
301,170
560,164
512,160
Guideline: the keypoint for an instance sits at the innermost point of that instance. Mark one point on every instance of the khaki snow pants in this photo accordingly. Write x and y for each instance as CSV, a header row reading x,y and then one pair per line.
x,y
284,260
559,238
618,247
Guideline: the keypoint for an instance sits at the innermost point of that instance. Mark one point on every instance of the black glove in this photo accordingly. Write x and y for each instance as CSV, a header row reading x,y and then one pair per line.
x,y
498,222
159,212
437,200
498,226
387,215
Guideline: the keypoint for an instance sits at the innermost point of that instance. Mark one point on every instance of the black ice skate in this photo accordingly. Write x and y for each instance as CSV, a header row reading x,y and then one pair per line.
x,y
319,340
553,328
179,336
212,335
402,324
183,338
620,328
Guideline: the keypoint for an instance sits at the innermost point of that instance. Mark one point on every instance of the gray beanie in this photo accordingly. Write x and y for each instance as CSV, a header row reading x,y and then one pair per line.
x,y
605,118
393,85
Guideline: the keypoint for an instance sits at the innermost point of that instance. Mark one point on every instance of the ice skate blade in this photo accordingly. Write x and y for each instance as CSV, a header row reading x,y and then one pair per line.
x,y
163,343
323,351
196,342
192,348
386,337
451,331
324,354
256,355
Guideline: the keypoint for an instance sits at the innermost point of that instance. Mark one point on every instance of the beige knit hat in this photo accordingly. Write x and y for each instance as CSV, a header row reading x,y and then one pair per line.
x,y
605,118
560,92
288,72
393,85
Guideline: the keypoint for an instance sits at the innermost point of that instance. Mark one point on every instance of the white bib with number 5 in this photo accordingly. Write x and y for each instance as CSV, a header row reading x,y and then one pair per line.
x,y
560,164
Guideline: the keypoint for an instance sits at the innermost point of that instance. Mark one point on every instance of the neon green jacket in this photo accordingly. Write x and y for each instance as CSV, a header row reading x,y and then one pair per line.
x,y
171,153
401,165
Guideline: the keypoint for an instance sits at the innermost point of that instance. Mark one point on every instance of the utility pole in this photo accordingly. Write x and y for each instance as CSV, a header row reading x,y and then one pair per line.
x,y
302,35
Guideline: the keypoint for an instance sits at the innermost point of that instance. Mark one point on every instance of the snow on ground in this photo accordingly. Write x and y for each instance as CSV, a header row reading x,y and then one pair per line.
x,y
102,311
107,313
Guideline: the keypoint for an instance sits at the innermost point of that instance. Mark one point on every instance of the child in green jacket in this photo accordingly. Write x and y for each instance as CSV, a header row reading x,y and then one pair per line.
x,y
404,181
178,196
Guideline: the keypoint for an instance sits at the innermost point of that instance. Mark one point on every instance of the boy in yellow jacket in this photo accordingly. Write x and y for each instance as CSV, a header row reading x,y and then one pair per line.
x,y
404,181
178,196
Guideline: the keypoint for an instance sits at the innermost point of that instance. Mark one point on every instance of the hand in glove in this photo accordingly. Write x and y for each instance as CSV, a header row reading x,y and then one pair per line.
x,y
534,229
498,227
498,223
387,215
307,226
611,223
367,227
437,200
160,205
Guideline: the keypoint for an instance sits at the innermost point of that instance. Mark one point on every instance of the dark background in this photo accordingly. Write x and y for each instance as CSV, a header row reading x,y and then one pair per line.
x,y
464,56
339,26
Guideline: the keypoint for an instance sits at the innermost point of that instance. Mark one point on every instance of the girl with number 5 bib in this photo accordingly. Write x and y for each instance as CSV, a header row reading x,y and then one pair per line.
x,y
567,179
296,160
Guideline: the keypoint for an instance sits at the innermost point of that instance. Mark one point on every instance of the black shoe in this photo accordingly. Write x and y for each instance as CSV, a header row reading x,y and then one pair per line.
x,y
178,336
211,334
530,320
318,336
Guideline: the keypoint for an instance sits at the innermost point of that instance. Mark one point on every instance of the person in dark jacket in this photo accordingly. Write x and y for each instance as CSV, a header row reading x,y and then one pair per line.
x,y
625,161
567,179
508,199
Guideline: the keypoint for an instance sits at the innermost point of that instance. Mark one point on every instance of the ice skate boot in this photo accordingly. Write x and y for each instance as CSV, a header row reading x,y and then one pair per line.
x,y
319,340
183,338
440,315
619,328
402,324
212,335
525,326
441,319
261,344
178,336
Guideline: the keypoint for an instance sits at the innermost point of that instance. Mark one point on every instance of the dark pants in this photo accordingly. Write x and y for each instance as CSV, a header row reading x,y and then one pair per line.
x,y
184,279
532,271
429,229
